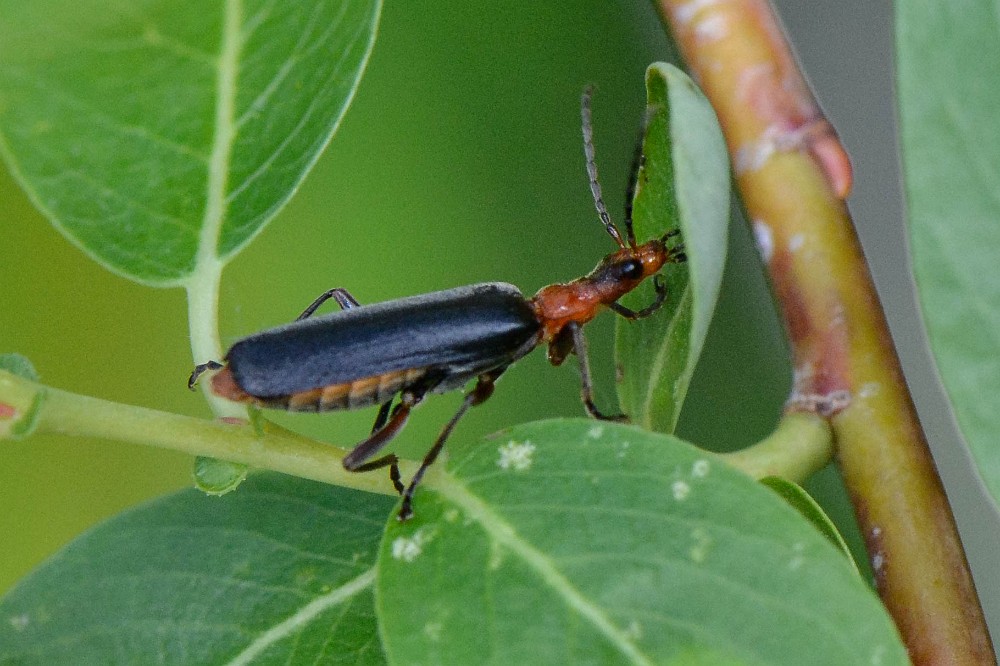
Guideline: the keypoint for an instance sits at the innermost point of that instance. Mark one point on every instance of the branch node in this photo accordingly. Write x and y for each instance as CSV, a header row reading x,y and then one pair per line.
x,y
825,404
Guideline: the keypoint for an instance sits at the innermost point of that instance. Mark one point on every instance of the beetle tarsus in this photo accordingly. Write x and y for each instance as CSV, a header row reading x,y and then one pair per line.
x,y
396,477
201,369
631,315
392,462
594,412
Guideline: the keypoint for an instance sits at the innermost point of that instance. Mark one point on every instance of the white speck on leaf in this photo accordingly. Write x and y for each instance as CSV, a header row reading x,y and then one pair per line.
x,y
496,556
680,489
699,549
797,559
20,622
633,631
433,631
516,456
408,549
595,432
700,468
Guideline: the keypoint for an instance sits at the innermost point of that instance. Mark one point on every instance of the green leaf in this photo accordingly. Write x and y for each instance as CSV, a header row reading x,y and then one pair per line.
x,y
949,94
572,541
801,501
280,572
218,477
19,365
683,184
157,135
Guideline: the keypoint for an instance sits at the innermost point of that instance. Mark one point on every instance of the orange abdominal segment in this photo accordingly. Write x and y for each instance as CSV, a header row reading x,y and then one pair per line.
x,y
224,385
359,393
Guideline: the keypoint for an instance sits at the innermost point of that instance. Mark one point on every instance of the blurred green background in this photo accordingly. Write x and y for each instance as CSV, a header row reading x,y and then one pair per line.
x,y
460,161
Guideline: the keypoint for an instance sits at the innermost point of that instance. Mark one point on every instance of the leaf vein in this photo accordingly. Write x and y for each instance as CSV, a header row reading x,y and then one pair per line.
x,y
504,533
303,616
659,360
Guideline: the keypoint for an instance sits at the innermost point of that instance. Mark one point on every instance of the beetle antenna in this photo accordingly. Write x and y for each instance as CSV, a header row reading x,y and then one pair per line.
x,y
638,159
595,184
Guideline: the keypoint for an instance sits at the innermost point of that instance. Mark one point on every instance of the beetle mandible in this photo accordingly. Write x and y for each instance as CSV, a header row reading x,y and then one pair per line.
x,y
399,351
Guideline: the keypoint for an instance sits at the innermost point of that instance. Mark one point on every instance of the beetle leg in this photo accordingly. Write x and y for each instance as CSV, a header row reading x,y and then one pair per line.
x,y
339,294
357,459
201,369
586,388
661,294
560,347
479,394
383,416
390,461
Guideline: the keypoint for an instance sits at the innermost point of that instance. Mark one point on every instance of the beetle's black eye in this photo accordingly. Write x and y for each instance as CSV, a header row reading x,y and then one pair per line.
x,y
631,269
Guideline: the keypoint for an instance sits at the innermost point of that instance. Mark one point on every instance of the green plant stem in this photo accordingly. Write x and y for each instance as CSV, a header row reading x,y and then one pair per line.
x,y
793,175
271,447
203,322
800,446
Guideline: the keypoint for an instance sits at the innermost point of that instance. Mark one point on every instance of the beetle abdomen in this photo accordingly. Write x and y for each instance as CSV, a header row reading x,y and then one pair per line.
x,y
350,395
360,393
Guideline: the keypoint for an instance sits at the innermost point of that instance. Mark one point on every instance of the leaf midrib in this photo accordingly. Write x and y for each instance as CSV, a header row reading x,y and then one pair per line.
x,y
301,619
224,132
659,359
504,533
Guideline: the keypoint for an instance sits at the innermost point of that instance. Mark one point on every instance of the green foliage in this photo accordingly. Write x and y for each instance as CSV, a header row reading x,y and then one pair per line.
x,y
190,579
18,365
803,502
683,184
157,136
556,542
572,542
160,139
218,477
951,163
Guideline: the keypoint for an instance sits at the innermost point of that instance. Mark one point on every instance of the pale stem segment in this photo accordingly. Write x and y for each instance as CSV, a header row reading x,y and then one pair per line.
x,y
268,446
800,446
